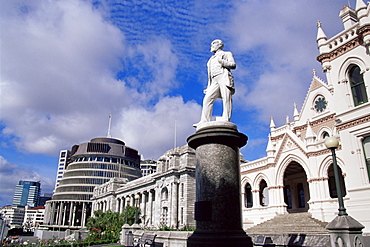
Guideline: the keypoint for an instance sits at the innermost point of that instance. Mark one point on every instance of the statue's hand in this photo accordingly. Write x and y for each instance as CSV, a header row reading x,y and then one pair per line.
x,y
220,60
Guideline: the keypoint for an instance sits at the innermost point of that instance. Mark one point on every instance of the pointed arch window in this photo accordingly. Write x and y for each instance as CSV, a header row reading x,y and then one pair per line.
x,y
325,135
248,199
357,85
332,188
264,194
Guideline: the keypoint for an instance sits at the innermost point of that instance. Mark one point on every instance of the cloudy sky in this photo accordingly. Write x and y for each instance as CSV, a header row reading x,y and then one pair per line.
x,y
67,65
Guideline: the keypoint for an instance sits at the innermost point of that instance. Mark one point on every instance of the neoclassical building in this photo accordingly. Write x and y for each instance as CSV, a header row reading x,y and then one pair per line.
x,y
85,166
166,198
297,173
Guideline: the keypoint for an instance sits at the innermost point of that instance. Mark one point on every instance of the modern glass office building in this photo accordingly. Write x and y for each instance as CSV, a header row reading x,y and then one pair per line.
x,y
27,193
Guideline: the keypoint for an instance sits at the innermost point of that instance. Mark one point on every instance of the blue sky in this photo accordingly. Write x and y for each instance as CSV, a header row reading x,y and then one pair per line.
x,y
67,65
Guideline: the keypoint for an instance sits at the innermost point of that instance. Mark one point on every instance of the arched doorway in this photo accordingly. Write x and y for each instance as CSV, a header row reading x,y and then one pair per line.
x,y
296,190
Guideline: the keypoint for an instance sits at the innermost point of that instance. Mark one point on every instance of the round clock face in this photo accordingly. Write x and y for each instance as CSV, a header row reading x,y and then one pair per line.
x,y
320,104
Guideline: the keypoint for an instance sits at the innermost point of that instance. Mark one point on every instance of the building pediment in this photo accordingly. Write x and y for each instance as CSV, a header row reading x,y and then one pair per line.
x,y
289,144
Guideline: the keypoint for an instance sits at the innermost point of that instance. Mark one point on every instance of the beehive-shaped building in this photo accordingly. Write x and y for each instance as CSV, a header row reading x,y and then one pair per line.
x,y
88,165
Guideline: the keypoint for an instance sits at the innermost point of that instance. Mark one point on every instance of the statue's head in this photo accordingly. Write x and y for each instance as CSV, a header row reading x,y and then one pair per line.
x,y
216,45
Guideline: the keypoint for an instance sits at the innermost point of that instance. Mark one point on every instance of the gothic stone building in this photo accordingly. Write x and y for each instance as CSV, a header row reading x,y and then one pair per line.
x,y
297,173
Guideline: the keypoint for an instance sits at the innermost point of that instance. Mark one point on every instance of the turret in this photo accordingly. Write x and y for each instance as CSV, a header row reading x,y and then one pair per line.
x,y
364,22
321,38
270,150
295,113
349,17
310,137
272,124
287,121
361,11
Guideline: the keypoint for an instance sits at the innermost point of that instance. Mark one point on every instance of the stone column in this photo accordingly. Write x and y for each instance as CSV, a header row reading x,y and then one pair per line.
x,y
174,205
83,218
143,207
74,213
64,214
53,213
121,205
61,205
70,214
256,198
218,203
56,209
150,208
156,211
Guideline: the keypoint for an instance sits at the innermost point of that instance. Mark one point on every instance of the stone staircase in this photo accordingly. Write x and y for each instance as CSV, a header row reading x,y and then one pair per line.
x,y
290,223
297,229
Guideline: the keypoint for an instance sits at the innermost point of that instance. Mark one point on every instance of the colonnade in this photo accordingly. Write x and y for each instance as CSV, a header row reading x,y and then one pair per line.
x,y
159,206
68,213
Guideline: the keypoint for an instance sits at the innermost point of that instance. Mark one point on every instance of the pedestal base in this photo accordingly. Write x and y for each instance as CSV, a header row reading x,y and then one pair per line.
x,y
219,239
345,231
217,208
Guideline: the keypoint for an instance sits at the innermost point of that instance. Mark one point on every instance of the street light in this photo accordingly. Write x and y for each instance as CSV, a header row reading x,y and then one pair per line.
x,y
137,198
127,203
332,143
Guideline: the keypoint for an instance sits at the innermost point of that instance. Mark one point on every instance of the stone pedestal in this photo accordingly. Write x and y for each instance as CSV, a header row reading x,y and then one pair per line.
x,y
345,231
127,234
218,198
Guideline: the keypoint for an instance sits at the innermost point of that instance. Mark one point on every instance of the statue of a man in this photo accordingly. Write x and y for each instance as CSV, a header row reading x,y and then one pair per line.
x,y
220,82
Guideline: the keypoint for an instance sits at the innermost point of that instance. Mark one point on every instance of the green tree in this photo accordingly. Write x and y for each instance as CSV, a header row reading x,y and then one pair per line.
x,y
108,225
130,212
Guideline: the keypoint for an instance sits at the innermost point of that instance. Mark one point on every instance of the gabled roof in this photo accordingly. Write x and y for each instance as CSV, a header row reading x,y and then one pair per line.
x,y
289,142
318,86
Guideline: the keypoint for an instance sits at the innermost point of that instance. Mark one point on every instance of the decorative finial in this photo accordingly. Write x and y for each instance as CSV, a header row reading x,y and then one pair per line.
x,y
295,112
314,72
272,123
318,24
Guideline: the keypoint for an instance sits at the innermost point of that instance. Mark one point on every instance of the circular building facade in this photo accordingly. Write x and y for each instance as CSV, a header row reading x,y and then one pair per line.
x,y
88,165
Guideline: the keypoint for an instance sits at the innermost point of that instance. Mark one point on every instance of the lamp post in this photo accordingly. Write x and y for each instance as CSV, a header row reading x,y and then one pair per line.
x,y
127,202
343,229
332,143
137,198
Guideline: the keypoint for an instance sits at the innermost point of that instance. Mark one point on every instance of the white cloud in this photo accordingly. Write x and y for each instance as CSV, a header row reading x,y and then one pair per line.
x,y
152,131
60,60
162,63
57,73
58,78
282,37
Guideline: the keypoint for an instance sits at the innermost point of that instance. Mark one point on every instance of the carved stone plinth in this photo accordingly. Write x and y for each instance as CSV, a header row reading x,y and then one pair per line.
x,y
345,231
218,203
